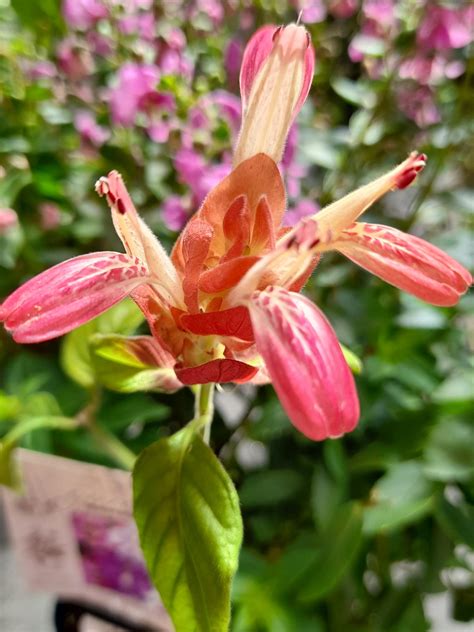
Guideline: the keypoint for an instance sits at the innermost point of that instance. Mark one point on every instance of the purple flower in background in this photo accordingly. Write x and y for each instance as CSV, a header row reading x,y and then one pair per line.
x,y
419,106
303,208
174,213
443,28
90,131
136,82
8,219
430,70
233,59
83,14
143,25
74,61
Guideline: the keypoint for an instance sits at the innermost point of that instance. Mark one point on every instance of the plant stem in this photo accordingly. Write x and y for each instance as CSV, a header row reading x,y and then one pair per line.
x,y
113,446
109,442
204,409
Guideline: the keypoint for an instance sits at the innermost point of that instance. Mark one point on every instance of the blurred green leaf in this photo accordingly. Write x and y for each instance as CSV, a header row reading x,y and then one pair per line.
x,y
402,496
270,487
338,547
449,452
456,520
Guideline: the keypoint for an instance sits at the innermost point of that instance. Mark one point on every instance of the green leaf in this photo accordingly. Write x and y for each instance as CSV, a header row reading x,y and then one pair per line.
x,y
76,360
449,453
354,92
127,365
403,495
9,475
268,488
338,546
456,520
187,512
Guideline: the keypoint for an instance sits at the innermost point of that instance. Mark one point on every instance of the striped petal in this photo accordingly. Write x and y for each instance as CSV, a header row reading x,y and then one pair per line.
x,y
138,239
70,294
305,363
406,261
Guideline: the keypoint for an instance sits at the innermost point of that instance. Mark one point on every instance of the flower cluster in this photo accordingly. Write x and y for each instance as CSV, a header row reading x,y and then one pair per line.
x,y
225,306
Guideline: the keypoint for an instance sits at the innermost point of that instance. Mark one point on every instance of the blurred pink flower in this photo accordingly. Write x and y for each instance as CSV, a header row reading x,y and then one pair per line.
x,y
42,70
83,14
382,12
143,25
430,70
443,28
174,214
312,11
233,59
419,106
135,84
74,61
303,208
8,219
90,131
50,216
343,8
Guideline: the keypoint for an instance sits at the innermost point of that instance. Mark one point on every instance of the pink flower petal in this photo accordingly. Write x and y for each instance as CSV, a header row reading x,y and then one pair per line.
x,y
70,294
406,261
305,363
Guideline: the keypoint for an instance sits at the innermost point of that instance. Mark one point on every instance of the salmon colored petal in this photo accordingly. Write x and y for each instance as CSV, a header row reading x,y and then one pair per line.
x,y
263,234
236,228
259,176
138,239
217,371
305,363
196,241
70,294
406,261
225,275
233,322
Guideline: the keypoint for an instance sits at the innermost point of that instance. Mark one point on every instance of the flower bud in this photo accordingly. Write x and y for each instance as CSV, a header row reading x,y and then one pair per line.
x,y
275,78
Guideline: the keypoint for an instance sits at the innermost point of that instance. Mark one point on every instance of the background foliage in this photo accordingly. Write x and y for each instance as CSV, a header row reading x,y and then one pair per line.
x,y
349,534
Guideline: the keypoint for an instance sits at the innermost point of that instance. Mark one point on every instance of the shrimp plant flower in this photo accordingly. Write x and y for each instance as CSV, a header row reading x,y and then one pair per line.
x,y
225,305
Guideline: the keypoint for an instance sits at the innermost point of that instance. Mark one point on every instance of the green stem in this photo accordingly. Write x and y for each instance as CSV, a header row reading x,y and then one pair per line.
x,y
204,410
113,446
109,442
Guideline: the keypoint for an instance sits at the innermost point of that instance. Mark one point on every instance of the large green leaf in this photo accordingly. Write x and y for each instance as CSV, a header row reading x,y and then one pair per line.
x,y
338,548
187,512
